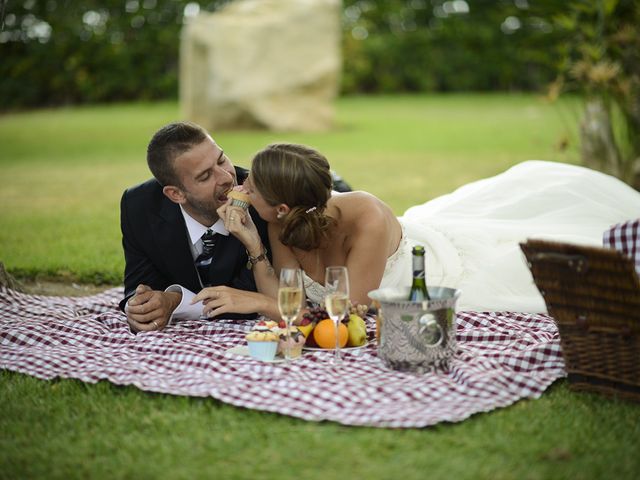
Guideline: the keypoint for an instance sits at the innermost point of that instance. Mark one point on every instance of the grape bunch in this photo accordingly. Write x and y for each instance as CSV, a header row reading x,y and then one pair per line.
x,y
314,315
360,309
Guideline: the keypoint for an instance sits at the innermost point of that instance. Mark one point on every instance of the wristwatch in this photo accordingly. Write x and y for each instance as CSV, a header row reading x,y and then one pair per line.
x,y
253,260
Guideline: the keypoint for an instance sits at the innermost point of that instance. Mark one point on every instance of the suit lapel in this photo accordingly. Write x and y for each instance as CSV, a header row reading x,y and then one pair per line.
x,y
171,236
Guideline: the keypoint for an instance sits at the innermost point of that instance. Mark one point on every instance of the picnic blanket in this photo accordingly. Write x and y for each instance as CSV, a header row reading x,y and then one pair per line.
x,y
625,237
501,358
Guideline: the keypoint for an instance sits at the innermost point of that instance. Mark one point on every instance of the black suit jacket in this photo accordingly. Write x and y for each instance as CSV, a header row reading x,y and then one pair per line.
x,y
157,248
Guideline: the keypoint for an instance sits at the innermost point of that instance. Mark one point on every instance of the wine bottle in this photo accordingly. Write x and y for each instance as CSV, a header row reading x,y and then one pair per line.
x,y
419,292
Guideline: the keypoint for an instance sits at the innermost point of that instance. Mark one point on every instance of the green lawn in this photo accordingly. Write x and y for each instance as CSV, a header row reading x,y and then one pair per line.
x,y
66,429
63,172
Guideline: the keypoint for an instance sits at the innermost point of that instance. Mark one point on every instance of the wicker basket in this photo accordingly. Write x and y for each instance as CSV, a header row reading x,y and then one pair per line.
x,y
594,296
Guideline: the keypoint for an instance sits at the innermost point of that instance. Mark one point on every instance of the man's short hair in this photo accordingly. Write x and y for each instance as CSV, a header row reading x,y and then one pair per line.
x,y
167,144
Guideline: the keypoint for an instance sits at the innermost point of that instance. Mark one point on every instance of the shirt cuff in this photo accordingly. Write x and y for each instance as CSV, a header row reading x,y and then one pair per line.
x,y
185,311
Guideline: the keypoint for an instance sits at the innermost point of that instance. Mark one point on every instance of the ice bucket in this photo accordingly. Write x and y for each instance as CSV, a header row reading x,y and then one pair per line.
x,y
416,336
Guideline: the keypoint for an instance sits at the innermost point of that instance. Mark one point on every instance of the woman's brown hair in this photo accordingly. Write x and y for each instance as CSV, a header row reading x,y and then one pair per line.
x,y
299,177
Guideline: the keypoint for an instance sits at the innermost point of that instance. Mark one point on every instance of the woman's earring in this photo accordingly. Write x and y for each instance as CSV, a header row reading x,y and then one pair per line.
x,y
280,215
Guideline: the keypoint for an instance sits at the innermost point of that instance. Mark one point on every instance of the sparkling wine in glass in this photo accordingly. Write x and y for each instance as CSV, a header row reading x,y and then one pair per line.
x,y
337,300
289,301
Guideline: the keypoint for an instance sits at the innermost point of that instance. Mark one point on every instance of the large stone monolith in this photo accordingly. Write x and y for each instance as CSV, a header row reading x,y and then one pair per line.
x,y
262,64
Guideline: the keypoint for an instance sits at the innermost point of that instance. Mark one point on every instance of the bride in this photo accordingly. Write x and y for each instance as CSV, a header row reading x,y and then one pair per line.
x,y
471,236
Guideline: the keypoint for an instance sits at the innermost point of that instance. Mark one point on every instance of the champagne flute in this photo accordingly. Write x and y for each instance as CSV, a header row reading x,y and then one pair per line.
x,y
336,300
289,301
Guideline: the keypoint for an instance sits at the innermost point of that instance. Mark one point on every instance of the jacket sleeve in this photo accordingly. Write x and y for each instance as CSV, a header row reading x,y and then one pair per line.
x,y
138,266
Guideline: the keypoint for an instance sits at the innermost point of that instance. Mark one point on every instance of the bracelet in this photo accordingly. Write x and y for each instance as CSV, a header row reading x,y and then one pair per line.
x,y
253,260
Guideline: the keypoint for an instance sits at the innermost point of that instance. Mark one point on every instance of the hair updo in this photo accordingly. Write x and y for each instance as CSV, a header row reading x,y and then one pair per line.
x,y
299,177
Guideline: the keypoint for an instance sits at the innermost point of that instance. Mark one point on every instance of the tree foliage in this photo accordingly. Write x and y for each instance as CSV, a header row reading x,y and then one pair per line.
x,y
72,51
66,51
599,45
442,45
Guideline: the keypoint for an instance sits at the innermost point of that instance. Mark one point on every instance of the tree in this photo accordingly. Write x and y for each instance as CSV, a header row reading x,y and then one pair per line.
x,y
600,46
80,51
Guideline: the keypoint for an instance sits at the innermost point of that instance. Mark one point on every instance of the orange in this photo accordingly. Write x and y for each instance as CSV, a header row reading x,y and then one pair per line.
x,y
325,334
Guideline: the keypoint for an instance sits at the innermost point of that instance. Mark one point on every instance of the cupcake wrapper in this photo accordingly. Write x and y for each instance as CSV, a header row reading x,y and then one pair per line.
x,y
239,203
295,352
265,351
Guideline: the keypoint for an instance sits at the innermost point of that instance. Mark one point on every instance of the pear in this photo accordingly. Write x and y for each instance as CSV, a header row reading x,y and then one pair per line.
x,y
306,329
357,331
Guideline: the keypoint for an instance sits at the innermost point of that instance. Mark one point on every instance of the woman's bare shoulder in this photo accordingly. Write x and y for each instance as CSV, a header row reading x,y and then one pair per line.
x,y
363,211
358,200
363,204
369,224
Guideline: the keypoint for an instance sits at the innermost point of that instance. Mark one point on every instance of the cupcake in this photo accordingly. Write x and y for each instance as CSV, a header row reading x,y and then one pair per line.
x,y
297,342
239,198
264,325
263,344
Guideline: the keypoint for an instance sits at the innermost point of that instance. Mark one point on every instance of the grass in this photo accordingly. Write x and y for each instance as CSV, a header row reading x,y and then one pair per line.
x,y
67,429
63,171
62,174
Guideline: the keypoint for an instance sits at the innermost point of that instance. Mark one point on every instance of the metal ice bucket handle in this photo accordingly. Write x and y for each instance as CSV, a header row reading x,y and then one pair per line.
x,y
430,330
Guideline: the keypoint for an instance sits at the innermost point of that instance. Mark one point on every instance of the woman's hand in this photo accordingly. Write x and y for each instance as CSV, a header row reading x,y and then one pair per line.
x,y
240,224
220,300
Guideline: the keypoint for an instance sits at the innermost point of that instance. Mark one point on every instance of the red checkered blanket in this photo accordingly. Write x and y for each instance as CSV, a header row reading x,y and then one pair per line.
x,y
625,237
501,357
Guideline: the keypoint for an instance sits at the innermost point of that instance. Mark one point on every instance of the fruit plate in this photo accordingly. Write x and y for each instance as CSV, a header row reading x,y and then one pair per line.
x,y
343,349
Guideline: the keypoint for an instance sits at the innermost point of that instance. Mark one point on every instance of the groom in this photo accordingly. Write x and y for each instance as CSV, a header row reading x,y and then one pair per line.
x,y
163,221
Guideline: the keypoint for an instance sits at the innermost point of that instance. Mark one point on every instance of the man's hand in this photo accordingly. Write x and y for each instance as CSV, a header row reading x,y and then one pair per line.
x,y
150,309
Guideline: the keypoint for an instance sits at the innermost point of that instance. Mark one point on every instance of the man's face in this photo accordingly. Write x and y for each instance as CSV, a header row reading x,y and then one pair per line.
x,y
206,174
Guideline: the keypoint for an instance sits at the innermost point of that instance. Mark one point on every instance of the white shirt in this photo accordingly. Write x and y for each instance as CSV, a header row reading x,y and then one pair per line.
x,y
196,230
186,311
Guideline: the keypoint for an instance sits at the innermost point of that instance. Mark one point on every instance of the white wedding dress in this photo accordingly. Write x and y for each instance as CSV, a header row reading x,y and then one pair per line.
x,y
472,235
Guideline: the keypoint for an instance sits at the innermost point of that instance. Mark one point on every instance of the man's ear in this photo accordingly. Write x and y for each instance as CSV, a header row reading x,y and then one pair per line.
x,y
174,194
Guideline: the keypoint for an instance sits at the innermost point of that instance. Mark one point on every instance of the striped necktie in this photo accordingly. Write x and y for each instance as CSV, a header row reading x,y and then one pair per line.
x,y
204,259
